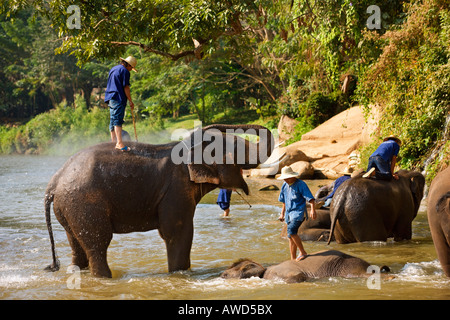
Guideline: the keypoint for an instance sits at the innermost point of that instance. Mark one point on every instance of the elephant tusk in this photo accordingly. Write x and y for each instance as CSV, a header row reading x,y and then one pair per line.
x,y
273,164
279,144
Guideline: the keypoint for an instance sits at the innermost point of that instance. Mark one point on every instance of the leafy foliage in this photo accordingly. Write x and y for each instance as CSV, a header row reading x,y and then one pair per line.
x,y
223,59
411,81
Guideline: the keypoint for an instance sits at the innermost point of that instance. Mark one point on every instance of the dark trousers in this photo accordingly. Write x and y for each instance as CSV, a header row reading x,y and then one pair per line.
x,y
382,168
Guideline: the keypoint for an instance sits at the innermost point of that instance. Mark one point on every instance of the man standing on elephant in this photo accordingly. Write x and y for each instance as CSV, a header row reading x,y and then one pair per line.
x,y
382,162
117,93
294,194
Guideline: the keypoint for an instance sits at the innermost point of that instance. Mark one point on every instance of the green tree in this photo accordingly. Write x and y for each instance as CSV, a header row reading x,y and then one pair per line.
x,y
410,80
36,79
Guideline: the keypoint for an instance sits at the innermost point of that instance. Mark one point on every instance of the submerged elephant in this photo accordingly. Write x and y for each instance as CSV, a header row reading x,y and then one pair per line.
x,y
439,217
101,190
328,263
374,210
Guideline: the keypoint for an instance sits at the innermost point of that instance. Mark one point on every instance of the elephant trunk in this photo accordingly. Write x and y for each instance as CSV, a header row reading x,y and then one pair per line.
x,y
262,149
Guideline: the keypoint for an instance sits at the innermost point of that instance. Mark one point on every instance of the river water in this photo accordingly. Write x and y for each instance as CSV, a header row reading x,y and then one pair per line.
x,y
138,260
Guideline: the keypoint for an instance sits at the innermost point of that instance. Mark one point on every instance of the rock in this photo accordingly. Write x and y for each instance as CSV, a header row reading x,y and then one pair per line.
x,y
329,148
280,157
286,127
270,187
304,168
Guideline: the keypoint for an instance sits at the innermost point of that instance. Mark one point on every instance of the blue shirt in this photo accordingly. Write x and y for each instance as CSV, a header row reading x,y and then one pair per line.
x,y
337,184
387,150
118,78
294,197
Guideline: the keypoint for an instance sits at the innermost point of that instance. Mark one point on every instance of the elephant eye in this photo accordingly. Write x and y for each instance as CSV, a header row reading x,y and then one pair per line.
x,y
248,267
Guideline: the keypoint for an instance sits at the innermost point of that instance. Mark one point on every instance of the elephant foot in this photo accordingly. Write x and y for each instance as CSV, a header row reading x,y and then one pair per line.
x,y
101,272
80,262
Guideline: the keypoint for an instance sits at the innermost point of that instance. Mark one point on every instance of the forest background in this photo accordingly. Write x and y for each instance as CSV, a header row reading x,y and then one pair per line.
x,y
227,62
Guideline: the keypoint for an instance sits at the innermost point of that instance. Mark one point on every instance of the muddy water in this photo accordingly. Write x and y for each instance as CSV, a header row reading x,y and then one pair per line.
x,y
138,260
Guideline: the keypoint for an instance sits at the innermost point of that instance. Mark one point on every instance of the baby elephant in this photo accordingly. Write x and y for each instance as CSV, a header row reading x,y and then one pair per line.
x,y
328,263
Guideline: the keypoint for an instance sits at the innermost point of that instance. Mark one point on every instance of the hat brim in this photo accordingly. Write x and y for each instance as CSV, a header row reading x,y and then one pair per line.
x,y
393,138
287,176
133,68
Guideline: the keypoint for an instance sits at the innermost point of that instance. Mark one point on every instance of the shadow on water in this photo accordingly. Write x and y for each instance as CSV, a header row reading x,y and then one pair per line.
x,y
138,260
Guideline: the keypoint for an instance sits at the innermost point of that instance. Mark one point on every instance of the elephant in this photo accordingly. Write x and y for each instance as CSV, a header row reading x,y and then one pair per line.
x,y
101,190
439,217
313,230
365,209
327,263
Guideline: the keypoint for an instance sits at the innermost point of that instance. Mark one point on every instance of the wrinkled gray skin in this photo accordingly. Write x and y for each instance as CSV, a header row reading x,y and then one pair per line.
x,y
374,210
101,191
328,263
439,217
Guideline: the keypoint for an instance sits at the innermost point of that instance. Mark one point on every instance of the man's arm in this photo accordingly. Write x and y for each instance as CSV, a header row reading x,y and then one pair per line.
x,y
128,94
283,210
393,163
312,213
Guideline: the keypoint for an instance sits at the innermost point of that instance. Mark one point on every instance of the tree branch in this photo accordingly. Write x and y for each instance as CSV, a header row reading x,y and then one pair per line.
x,y
146,48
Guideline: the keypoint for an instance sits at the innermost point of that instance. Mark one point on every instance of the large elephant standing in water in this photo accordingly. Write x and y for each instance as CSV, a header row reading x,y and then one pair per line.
x,y
101,190
439,217
369,210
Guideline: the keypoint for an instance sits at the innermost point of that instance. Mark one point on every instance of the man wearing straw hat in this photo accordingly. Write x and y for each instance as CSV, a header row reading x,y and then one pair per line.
x,y
294,194
382,161
117,93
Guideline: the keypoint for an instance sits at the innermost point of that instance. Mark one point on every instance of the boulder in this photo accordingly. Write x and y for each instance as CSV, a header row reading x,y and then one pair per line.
x,y
328,148
286,127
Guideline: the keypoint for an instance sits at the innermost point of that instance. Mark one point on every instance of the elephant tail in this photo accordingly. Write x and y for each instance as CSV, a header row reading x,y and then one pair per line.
x,y
333,224
55,265
335,212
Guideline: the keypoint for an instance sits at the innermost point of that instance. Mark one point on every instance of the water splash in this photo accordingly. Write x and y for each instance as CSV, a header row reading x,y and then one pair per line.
x,y
429,272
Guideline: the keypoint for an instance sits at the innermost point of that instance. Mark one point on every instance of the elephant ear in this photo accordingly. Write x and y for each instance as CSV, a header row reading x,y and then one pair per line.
x,y
417,182
202,173
443,204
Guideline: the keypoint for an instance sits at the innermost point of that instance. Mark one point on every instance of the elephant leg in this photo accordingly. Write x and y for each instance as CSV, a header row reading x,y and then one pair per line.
x,y
403,233
442,249
79,257
371,230
97,259
93,232
343,233
177,230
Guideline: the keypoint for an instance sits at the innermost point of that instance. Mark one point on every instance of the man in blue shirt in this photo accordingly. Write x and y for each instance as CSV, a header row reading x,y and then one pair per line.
x,y
382,161
117,93
337,184
294,194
